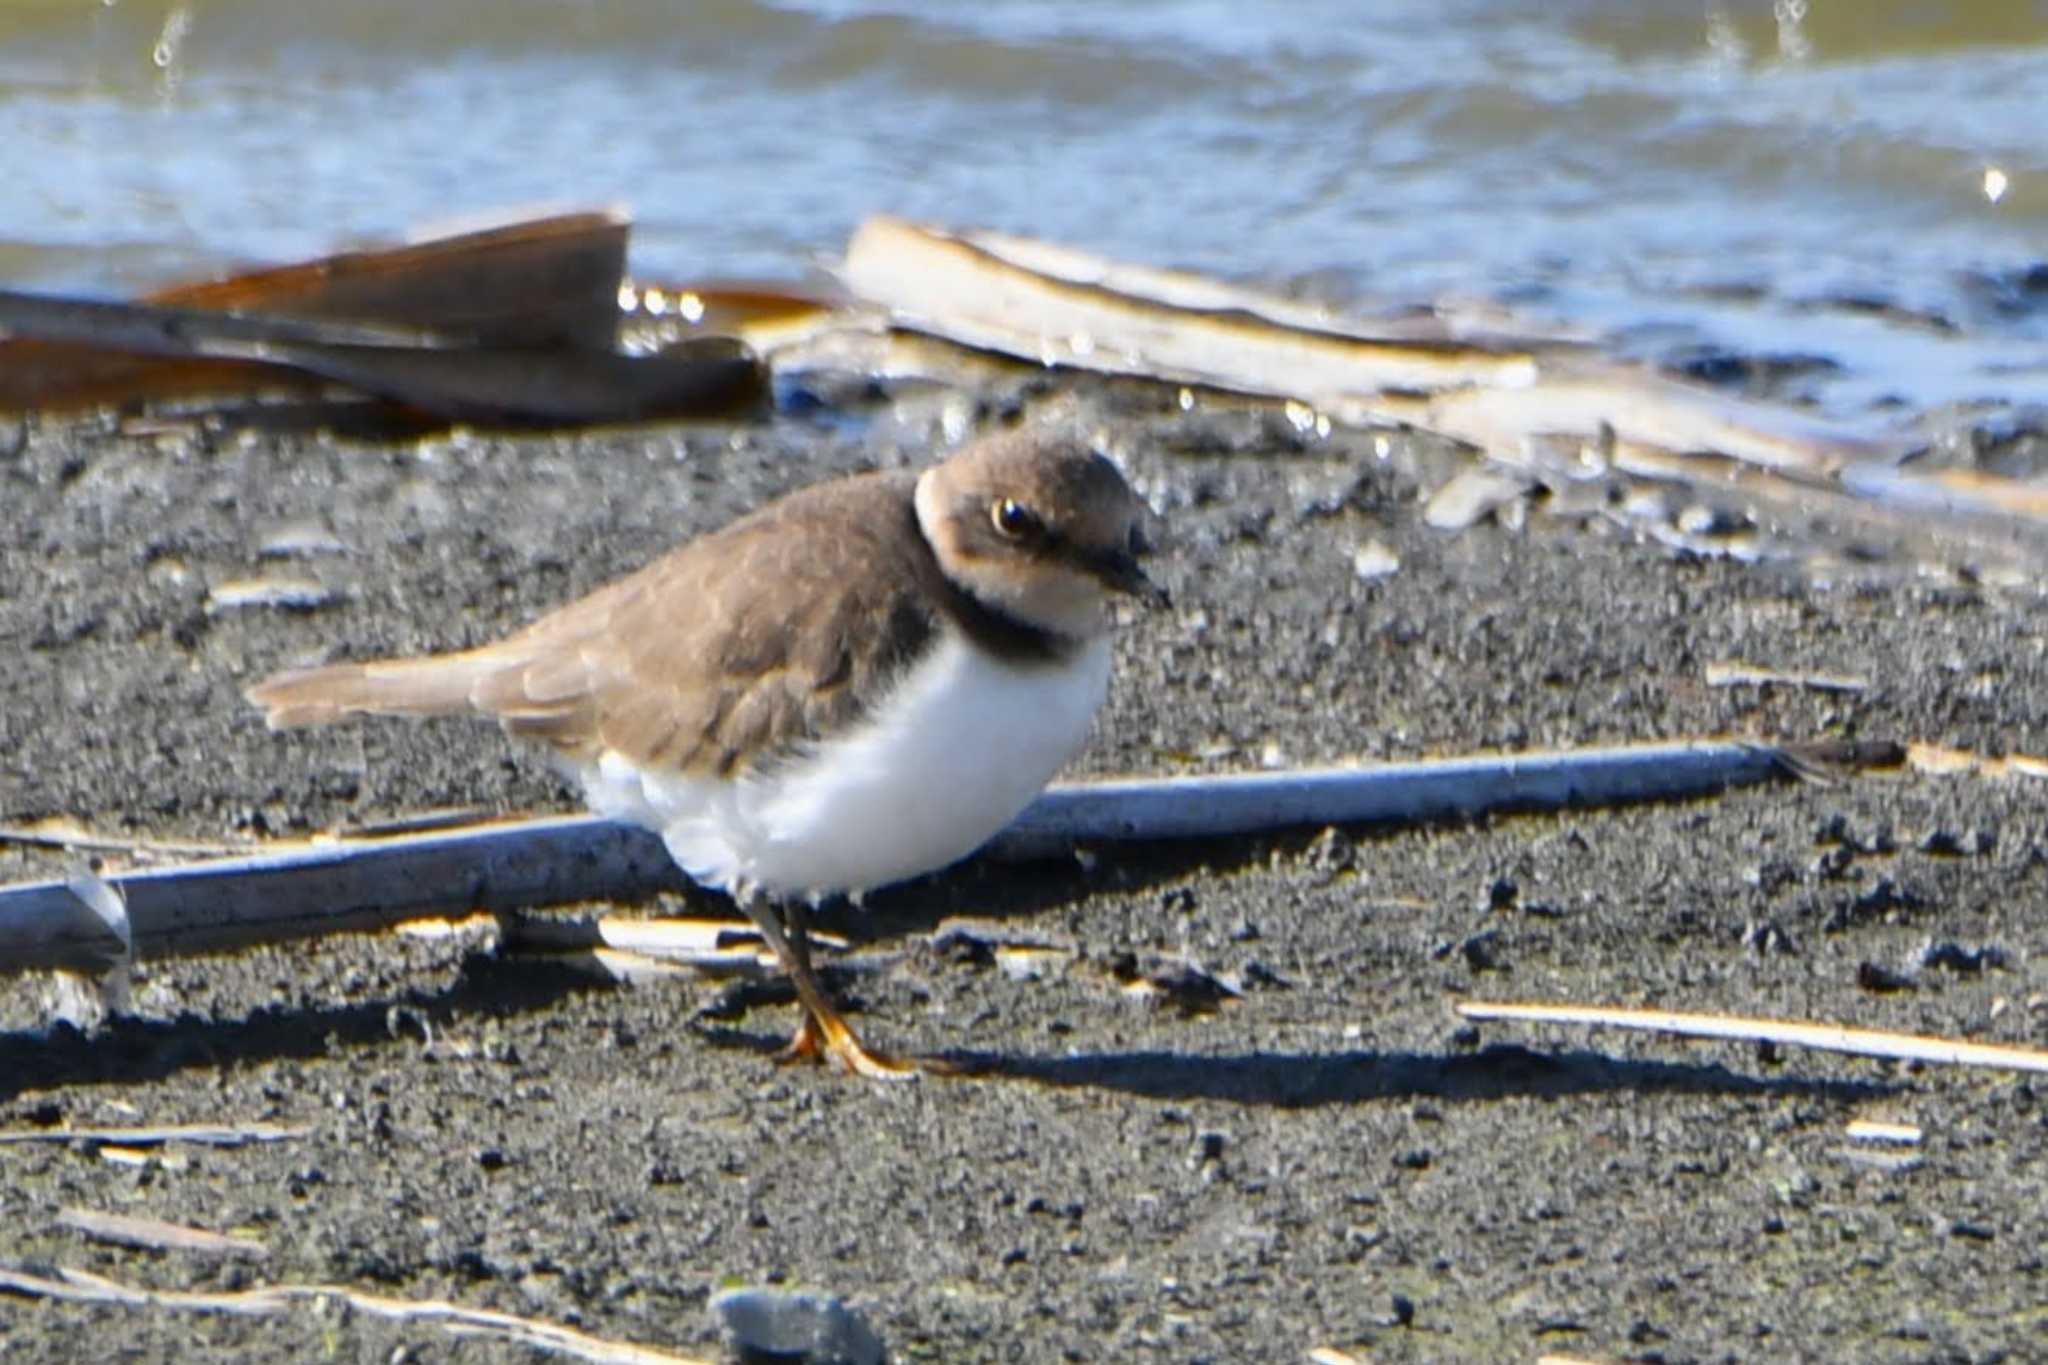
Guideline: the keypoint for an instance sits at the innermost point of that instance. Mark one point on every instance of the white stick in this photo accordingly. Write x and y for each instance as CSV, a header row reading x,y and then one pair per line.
x,y
78,1286
154,1234
370,884
1825,1037
202,1134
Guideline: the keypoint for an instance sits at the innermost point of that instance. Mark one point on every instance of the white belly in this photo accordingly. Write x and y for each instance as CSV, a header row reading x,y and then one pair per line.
x,y
963,745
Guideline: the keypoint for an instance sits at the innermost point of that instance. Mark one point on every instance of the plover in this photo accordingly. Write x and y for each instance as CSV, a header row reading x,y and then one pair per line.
x,y
853,686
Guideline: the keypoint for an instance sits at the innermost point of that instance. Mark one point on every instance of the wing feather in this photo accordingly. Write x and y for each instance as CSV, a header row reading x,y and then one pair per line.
x,y
734,650
742,646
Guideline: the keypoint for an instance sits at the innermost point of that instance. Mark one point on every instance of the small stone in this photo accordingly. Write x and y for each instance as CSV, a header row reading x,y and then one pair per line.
x,y
1374,560
781,1325
1956,958
1882,980
1942,843
1477,950
1029,962
1768,936
1331,852
1258,976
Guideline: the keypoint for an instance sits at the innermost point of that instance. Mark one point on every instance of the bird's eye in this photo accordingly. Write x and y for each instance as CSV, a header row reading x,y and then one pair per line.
x,y
1012,519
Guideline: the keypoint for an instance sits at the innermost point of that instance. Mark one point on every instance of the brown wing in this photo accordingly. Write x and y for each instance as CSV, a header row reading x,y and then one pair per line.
x,y
737,647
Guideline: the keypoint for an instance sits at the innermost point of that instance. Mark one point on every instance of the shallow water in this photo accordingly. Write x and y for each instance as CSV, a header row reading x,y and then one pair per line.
x,y
1864,182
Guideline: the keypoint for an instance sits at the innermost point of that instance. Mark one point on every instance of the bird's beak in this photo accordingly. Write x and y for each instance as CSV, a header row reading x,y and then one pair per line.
x,y
1122,573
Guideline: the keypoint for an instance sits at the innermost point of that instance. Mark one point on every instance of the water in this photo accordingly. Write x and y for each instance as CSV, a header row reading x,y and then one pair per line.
x,y
1860,180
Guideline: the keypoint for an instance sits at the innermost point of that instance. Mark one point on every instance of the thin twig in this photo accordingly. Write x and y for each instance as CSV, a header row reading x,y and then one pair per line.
x,y
1941,761
1877,1130
69,837
78,1286
154,1234
1825,1037
1736,673
201,1134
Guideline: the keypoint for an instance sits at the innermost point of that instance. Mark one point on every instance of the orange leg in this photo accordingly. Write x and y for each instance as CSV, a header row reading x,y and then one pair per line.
x,y
824,1031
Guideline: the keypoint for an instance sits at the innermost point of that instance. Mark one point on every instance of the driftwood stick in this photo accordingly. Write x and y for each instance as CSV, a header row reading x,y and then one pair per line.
x,y
275,898
362,885
1057,306
1429,789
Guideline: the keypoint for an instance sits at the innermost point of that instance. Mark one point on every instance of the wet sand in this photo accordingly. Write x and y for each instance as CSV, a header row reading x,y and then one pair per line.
x,y
1331,1158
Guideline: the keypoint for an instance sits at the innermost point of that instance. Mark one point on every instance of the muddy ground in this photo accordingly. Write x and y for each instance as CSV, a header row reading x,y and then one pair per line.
x,y
1330,1159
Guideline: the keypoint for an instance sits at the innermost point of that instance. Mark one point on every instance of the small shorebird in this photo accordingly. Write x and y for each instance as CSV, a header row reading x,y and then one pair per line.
x,y
855,685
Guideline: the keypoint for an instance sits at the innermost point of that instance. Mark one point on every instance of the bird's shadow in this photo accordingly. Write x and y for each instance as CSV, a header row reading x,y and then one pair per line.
x,y
999,890
1283,1080
1308,1080
129,1050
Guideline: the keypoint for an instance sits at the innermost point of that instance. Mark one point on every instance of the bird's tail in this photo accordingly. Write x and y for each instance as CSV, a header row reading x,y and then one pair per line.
x,y
433,685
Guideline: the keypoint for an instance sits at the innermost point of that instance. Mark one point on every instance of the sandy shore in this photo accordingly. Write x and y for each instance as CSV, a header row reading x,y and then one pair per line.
x,y
1330,1159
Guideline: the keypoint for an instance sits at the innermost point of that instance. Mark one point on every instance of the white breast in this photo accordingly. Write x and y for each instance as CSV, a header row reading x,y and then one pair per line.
x,y
960,747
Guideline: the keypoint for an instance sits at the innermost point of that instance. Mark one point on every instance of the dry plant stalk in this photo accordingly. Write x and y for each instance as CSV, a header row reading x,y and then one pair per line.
x,y
69,1285
202,1134
154,1234
1910,1047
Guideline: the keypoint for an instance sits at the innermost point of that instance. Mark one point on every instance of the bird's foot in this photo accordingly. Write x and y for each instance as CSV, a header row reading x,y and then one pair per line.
x,y
836,1042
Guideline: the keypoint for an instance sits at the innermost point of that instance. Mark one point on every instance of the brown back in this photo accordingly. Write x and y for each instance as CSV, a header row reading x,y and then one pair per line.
x,y
742,645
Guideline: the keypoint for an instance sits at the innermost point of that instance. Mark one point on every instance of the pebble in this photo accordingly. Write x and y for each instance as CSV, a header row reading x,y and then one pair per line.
x,y
1374,560
1331,852
1963,961
1029,962
782,1325
1882,980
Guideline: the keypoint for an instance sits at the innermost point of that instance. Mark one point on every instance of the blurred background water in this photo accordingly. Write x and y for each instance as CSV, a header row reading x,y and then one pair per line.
x,y
1864,181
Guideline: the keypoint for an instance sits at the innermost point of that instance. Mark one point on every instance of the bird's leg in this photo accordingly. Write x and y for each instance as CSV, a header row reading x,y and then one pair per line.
x,y
824,1030
808,1042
